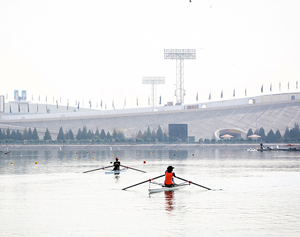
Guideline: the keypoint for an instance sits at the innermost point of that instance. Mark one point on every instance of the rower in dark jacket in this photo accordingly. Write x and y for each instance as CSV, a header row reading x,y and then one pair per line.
x,y
117,164
169,177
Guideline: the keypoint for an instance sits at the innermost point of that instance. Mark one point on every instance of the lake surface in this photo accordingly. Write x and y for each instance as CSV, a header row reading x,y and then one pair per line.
x,y
44,192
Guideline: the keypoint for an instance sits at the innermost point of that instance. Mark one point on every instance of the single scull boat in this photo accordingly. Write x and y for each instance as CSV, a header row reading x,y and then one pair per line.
x,y
165,188
115,171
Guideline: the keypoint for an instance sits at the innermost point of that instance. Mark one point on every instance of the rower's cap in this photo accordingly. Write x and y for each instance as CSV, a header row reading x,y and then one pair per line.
x,y
170,167
117,158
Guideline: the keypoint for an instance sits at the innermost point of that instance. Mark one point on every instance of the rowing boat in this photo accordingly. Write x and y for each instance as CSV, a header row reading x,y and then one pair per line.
x,y
115,171
164,188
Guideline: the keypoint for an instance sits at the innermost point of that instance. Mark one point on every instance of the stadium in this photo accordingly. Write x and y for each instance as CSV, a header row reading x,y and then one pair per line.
x,y
207,120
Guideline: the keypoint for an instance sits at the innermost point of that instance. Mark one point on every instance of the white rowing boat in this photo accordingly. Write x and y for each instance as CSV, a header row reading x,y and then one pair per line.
x,y
115,171
163,188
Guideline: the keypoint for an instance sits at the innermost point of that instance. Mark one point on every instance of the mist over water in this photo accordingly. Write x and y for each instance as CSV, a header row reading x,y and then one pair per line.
x,y
45,192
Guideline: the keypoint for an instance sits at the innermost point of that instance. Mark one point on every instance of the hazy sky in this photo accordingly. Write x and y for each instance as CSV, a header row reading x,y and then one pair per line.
x,y
100,50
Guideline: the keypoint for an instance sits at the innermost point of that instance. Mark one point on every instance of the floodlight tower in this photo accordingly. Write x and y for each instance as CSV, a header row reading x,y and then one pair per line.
x,y
153,81
180,55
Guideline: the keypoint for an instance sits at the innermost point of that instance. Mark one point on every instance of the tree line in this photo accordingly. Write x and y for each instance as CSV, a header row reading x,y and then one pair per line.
x,y
148,136
83,135
117,135
17,135
289,135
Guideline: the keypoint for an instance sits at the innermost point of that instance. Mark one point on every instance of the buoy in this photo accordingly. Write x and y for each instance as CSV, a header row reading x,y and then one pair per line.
x,y
11,163
174,154
36,162
75,158
112,154
192,154
144,162
93,157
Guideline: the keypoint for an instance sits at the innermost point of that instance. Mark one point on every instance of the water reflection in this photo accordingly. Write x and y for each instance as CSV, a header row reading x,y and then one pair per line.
x,y
117,177
169,195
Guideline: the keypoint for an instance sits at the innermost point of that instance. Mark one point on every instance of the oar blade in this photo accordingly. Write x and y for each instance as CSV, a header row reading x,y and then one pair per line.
x,y
192,183
133,168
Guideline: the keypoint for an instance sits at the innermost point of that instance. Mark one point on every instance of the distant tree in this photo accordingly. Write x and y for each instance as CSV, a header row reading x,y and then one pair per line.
x,y
84,133
286,133
79,135
102,134
70,135
25,134
7,133
294,132
139,135
144,136
35,135
13,135
29,134
108,136
120,135
165,139
114,135
97,133
261,133
2,134
250,132
159,134
297,130
90,135
277,135
271,136
47,135
153,135
19,135
61,135
147,134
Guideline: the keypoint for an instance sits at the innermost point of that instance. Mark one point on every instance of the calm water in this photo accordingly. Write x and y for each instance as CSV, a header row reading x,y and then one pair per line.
x,y
259,196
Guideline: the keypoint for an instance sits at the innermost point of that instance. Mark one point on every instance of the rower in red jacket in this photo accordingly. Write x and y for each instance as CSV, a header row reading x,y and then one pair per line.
x,y
169,177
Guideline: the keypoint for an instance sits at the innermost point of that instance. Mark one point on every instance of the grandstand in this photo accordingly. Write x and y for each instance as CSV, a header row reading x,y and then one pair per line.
x,y
210,121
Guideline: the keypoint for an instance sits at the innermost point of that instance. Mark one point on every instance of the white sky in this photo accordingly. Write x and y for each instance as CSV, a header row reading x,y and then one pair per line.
x,y
100,50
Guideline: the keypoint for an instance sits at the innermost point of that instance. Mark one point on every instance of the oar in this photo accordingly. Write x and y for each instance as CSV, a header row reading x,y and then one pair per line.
x,y
149,180
98,169
133,168
192,182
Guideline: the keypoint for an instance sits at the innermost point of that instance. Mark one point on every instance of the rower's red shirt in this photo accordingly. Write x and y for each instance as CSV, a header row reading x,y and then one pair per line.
x,y
169,178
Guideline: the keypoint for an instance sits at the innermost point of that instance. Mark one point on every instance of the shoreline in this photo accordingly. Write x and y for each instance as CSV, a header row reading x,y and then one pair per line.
x,y
161,146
